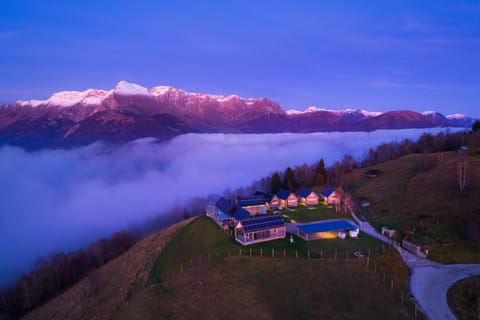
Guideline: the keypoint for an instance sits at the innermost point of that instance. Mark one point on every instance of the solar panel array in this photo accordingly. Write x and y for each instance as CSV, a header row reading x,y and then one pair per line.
x,y
253,201
262,223
327,226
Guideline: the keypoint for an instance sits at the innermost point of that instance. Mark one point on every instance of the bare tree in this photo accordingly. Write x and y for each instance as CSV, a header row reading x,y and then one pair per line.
x,y
463,172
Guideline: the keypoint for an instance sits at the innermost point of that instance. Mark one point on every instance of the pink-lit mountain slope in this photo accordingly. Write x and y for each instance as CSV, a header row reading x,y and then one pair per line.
x,y
130,111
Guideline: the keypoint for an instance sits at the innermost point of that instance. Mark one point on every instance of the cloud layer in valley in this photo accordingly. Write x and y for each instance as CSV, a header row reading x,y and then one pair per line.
x,y
55,200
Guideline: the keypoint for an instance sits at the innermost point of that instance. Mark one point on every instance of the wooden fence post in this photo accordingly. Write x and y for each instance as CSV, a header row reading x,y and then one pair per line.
x,y
416,311
308,254
391,285
401,297
240,253
284,253
209,258
296,253
335,254
273,252
261,252
369,252
346,255
383,278
368,261
375,269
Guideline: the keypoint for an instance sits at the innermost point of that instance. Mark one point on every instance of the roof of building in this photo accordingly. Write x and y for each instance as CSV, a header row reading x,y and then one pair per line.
x,y
240,214
267,196
304,192
283,194
262,223
252,201
223,216
328,191
225,206
336,225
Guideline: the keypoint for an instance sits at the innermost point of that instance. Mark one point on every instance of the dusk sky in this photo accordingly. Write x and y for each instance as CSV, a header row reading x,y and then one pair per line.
x,y
376,55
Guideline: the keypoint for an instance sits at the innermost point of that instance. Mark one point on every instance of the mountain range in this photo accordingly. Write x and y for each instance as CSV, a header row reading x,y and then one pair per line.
x,y
130,111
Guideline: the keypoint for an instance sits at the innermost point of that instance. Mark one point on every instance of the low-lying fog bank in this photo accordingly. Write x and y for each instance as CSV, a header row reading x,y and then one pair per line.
x,y
55,200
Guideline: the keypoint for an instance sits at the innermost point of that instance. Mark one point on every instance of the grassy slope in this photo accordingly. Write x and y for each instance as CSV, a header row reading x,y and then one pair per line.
x,y
406,195
106,289
264,288
464,298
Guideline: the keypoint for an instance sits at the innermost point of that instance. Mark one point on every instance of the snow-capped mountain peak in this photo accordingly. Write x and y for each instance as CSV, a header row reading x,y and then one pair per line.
x,y
130,89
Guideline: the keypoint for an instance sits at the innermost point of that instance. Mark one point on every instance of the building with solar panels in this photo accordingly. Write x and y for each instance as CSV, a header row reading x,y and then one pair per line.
x,y
254,205
260,229
327,230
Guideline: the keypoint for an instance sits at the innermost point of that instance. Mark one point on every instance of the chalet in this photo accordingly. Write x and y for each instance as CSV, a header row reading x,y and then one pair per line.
x,y
259,229
307,197
330,196
287,198
254,205
272,201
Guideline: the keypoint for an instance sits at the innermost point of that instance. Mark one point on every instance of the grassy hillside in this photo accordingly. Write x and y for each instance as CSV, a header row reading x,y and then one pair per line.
x,y
256,288
424,203
106,289
176,280
464,298
264,288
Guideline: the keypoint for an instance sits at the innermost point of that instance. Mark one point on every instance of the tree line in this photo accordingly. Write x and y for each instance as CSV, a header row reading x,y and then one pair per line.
x,y
53,274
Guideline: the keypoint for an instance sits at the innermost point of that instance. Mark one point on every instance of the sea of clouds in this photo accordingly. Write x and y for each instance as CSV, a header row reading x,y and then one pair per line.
x,y
60,200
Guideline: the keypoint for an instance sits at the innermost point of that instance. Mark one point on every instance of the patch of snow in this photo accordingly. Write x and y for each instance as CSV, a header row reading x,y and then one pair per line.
x,y
426,113
456,116
131,89
349,110
70,98
161,90
32,103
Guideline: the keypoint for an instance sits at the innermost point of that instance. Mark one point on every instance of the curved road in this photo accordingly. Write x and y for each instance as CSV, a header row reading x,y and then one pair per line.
x,y
429,281
429,285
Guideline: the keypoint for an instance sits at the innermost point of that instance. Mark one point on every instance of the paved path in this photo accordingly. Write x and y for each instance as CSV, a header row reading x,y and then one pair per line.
x,y
429,285
429,280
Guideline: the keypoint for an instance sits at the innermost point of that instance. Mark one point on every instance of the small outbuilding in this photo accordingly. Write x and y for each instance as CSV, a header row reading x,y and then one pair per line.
x,y
308,197
260,229
327,230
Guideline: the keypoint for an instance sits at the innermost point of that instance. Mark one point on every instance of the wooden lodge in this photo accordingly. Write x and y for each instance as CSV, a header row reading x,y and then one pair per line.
x,y
259,229
254,205
330,196
272,202
287,198
307,197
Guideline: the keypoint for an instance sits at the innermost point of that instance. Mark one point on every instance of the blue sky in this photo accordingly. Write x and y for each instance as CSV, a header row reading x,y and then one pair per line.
x,y
377,55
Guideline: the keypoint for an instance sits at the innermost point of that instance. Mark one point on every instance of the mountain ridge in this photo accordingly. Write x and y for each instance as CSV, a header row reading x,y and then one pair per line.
x,y
130,111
